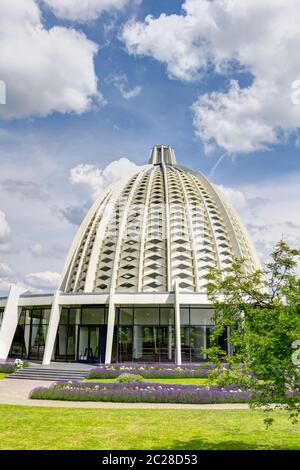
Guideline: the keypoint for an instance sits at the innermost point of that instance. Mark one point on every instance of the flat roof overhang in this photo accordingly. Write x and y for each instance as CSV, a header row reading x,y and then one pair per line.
x,y
138,298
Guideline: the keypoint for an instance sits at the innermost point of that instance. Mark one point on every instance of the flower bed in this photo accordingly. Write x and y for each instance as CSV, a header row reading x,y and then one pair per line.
x,y
7,367
140,392
11,366
152,371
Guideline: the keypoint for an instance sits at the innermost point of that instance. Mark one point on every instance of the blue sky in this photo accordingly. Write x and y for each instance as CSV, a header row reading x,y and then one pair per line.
x,y
92,81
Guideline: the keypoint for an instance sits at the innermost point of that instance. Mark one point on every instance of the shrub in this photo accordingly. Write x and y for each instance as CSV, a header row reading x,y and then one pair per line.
x,y
7,367
126,377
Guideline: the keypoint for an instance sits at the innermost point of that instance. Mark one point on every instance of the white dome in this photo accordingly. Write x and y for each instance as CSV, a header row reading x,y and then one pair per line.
x,y
161,224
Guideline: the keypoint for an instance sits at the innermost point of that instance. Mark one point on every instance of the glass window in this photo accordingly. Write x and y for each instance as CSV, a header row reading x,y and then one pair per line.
x,y
1,316
46,315
185,343
125,344
61,342
167,316
184,316
74,316
198,342
92,316
125,315
71,344
36,314
201,316
22,317
64,316
146,315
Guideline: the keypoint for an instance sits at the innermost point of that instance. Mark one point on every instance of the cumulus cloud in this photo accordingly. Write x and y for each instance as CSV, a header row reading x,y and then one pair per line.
x,y
4,233
44,70
259,37
53,251
84,10
47,279
96,179
25,189
120,81
269,214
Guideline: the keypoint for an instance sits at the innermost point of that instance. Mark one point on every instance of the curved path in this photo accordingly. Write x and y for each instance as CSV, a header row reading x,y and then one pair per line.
x,y
16,392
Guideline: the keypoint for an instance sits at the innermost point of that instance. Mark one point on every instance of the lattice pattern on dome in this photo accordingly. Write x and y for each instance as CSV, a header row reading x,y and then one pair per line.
x,y
163,224
128,267
107,254
154,271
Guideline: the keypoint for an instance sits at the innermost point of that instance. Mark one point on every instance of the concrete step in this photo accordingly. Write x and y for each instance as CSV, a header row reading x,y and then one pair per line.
x,y
51,374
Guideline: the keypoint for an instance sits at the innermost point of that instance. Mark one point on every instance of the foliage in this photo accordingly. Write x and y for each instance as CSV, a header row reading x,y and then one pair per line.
x,y
262,310
7,367
126,377
223,376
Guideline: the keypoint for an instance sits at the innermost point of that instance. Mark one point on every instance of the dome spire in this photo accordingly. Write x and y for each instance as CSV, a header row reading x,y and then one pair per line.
x,y
162,154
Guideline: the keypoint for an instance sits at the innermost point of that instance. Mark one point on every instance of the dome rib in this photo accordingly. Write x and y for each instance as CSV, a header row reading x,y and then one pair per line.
x,y
192,235
167,227
143,231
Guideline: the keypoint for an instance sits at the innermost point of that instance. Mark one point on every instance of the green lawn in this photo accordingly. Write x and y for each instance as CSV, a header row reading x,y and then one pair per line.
x,y
162,381
67,428
2,375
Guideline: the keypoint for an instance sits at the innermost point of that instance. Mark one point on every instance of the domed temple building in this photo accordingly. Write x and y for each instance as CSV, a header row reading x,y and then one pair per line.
x,y
133,287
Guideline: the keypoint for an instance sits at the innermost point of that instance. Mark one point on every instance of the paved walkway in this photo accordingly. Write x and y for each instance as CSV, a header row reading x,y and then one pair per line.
x,y
16,392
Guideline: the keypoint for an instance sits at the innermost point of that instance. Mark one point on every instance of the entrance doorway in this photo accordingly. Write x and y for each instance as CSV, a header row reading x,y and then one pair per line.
x,y
91,343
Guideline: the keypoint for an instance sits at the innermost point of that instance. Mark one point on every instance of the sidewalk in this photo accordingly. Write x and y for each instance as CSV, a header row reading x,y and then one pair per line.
x,y
16,392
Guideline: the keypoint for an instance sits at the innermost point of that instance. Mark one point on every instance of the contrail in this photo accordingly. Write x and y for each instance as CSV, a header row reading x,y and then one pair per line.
x,y
217,164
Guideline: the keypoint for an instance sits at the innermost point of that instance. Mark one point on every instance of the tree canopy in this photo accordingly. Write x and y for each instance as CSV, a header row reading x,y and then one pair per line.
x,y
262,311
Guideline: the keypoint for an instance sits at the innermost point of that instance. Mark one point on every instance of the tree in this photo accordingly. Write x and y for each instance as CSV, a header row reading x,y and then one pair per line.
x,y
262,310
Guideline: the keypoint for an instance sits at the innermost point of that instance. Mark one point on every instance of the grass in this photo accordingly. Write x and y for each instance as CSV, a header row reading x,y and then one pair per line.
x,y
2,375
161,381
65,428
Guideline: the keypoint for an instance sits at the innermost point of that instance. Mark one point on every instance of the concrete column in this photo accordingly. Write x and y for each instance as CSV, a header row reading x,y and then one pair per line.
x,y
110,330
52,329
177,324
10,320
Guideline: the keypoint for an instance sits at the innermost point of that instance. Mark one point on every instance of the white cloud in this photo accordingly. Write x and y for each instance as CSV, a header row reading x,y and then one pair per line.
x,y
120,81
47,279
4,227
25,189
260,37
4,269
270,210
84,10
96,179
53,251
235,120
44,70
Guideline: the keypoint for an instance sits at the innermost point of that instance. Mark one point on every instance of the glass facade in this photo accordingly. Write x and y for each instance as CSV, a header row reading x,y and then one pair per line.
x,y
31,333
144,334
81,334
141,333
